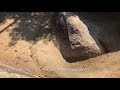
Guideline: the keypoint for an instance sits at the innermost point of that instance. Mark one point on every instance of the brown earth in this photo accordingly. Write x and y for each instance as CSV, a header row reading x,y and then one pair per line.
x,y
32,55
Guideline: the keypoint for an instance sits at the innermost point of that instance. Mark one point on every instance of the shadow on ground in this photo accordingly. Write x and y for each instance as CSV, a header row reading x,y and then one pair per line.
x,y
32,26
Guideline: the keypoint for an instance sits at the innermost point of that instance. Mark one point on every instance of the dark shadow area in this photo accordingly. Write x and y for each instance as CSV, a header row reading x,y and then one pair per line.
x,y
33,26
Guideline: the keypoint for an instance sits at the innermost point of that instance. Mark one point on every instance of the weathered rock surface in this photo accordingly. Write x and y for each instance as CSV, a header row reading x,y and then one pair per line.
x,y
73,37
104,26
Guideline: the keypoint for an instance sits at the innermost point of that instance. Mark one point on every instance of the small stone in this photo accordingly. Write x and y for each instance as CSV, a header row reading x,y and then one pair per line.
x,y
26,61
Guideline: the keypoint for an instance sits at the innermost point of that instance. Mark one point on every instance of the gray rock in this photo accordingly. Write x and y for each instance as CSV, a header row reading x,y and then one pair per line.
x,y
72,37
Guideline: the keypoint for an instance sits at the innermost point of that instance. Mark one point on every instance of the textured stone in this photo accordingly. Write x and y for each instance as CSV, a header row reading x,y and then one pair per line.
x,y
73,37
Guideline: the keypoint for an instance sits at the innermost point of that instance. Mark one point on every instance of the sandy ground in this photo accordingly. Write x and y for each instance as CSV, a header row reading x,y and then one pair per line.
x,y
10,72
42,59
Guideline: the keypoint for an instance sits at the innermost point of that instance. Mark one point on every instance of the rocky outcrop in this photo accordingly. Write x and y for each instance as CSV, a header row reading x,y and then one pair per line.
x,y
10,72
73,38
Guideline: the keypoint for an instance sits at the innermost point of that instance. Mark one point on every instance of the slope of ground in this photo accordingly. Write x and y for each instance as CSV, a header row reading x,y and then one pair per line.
x,y
10,72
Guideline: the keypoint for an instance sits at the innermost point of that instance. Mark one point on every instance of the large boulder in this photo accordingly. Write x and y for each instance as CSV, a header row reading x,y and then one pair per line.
x,y
73,38
10,72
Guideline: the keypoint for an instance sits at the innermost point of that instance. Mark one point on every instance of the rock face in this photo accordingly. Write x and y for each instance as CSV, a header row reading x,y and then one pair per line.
x,y
105,26
73,38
